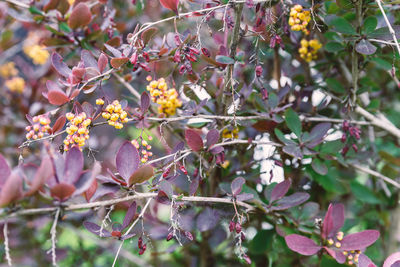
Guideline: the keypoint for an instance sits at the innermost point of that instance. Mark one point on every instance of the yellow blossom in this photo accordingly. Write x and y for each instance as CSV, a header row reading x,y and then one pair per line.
x,y
8,70
16,84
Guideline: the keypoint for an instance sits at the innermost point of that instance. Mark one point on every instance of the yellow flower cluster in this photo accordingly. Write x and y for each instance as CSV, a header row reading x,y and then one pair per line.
x,y
166,98
39,127
299,19
77,130
114,113
16,84
234,133
309,49
37,53
8,70
144,148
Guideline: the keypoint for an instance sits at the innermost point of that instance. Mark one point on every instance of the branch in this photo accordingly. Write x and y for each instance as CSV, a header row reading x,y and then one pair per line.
x,y
53,233
376,174
6,244
392,32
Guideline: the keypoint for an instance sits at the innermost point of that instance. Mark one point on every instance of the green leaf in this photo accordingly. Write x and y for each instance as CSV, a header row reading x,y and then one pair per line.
x,y
35,11
334,47
363,193
381,63
370,24
64,27
224,60
293,122
262,241
343,26
335,85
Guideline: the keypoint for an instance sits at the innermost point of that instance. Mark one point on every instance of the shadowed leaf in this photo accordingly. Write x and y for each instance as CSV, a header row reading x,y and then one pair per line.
x,y
144,102
141,175
127,160
44,172
59,124
236,185
80,16
333,221
11,190
116,63
62,191
73,165
130,214
102,62
280,190
193,140
5,170
291,201
60,66
302,244
95,229
212,137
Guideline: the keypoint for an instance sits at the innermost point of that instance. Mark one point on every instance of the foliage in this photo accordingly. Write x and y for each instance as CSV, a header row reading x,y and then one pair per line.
x,y
218,132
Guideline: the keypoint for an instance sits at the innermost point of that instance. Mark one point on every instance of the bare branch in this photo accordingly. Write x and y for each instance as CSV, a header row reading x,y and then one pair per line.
x,y
391,30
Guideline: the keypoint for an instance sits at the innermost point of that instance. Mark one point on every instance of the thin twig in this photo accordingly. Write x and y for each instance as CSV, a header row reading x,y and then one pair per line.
x,y
6,244
53,233
392,32
131,227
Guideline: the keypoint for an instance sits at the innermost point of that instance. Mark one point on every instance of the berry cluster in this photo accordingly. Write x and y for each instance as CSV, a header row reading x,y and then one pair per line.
x,y
8,70
350,136
166,98
141,245
228,133
114,113
16,84
37,53
299,19
309,49
78,131
144,148
39,127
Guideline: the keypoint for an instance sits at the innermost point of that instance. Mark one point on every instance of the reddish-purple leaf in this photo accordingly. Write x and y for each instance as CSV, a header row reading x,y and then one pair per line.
x,y
336,254
116,63
102,62
80,16
127,160
144,102
5,170
59,124
280,190
393,260
163,198
141,175
291,201
86,179
62,191
91,190
193,140
88,59
236,185
148,34
73,165
333,221
319,131
44,172
95,229
57,97
170,4
60,66
130,214
216,150
359,240
212,137
244,196
302,244
11,190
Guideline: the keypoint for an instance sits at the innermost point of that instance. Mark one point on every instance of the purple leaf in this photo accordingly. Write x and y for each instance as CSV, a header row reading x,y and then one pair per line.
x,y
216,150
207,219
244,196
86,179
364,261
365,47
236,185
359,240
88,59
80,16
336,254
11,190
280,190
393,260
44,172
193,140
113,50
333,221
127,160
95,229
291,201
130,214
60,66
302,244
141,175
212,137
162,197
73,165
144,102
5,170
57,97
319,131
62,191
293,150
